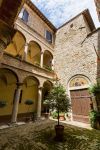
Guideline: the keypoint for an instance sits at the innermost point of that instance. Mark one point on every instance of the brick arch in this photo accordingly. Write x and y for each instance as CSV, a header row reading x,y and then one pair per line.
x,y
78,76
80,97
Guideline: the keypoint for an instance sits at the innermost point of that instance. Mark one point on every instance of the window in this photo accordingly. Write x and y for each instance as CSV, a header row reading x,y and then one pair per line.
x,y
49,36
25,15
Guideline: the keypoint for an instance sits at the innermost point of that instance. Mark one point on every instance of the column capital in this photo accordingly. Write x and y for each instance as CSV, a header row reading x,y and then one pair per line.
x,y
26,44
19,84
40,87
42,52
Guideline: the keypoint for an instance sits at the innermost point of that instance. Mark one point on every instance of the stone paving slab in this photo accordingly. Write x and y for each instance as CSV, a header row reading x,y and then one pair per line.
x,y
40,136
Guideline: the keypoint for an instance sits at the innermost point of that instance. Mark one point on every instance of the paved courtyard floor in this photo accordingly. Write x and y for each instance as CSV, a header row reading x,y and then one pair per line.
x,y
40,136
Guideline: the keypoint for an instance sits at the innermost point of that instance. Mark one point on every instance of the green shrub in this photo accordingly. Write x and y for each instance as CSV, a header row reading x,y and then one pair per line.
x,y
94,89
94,117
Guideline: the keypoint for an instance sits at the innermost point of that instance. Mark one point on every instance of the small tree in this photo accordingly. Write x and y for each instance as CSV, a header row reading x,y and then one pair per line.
x,y
57,99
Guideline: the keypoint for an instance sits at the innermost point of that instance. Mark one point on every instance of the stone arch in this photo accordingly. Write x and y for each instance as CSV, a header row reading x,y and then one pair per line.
x,y
46,88
16,47
78,81
34,53
8,80
80,98
47,59
29,92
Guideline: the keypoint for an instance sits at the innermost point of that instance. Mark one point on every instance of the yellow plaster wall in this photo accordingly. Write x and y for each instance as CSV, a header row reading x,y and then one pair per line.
x,y
33,53
29,91
7,90
17,45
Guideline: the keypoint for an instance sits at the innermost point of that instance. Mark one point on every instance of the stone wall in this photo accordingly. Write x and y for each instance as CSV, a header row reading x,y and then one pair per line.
x,y
74,51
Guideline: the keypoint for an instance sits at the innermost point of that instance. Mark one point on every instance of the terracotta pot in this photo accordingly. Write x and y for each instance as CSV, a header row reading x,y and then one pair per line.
x,y
61,117
59,132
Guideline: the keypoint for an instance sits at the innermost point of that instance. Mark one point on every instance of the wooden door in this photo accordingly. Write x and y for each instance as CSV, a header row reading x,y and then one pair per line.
x,y
80,105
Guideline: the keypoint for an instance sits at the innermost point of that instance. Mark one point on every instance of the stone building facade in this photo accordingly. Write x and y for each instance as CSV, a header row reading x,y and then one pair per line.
x,y
37,51
97,3
76,61
26,65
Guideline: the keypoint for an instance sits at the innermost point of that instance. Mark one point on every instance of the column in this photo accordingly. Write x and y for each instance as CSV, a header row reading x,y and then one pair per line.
x,y
25,51
39,102
16,103
41,61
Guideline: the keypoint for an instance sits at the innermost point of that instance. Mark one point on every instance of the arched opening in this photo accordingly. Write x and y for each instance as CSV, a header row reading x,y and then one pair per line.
x,y
16,47
80,98
29,92
46,88
47,60
34,53
8,80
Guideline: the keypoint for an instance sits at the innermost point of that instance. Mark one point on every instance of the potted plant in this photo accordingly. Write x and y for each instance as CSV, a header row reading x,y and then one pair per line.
x,y
59,101
2,103
28,102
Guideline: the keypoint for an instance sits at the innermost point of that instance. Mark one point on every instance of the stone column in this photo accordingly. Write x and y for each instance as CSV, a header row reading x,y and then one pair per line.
x,y
25,51
16,103
41,61
39,102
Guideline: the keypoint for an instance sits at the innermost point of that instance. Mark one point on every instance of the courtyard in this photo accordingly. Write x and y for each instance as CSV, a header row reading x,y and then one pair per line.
x,y
40,135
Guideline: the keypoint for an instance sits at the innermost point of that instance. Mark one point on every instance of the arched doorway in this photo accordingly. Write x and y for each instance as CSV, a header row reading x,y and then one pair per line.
x,y
29,92
80,98
8,80
46,88
16,47
34,53
47,60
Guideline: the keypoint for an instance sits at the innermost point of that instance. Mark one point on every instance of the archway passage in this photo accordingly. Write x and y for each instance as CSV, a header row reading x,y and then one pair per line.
x,y
29,92
34,53
46,88
47,60
80,99
16,47
8,80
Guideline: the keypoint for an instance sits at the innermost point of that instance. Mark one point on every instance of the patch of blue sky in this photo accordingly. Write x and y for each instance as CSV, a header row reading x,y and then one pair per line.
x,y
61,11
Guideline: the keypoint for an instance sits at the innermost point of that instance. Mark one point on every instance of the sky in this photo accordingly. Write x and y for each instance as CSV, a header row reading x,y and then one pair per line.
x,y
61,11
